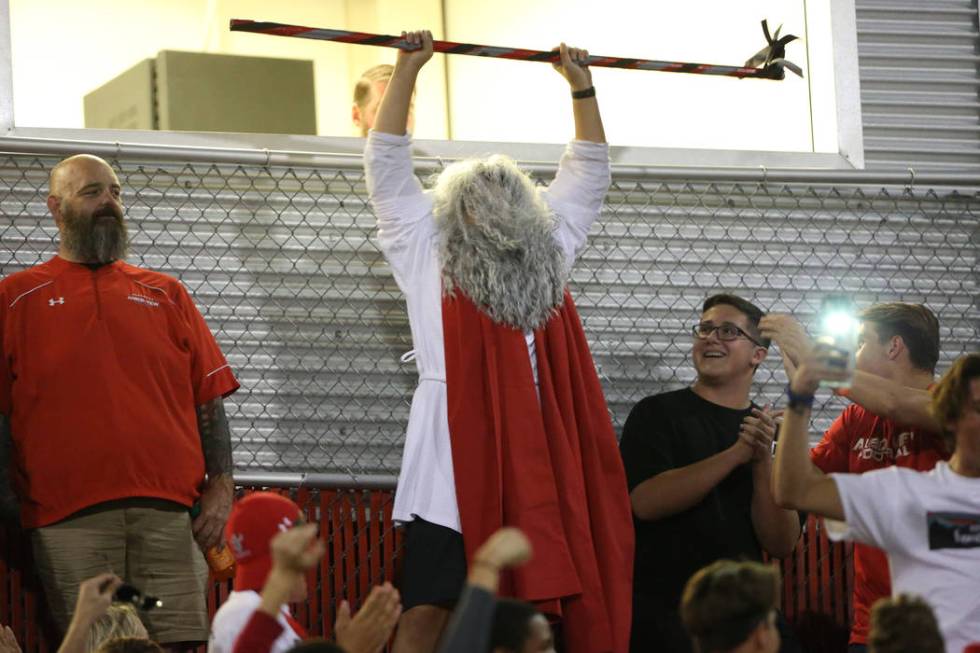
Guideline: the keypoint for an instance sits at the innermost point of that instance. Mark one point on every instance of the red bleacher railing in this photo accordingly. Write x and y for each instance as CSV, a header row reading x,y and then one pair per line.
x,y
363,550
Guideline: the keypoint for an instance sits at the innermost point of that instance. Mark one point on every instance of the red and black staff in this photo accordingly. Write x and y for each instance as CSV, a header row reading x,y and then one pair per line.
x,y
768,63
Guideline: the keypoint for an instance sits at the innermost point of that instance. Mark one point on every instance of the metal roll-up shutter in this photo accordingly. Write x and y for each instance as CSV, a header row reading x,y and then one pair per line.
x,y
920,83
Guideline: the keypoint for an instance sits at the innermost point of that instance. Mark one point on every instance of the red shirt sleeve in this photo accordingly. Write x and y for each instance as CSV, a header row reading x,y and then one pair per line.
x,y
212,376
6,382
831,453
259,634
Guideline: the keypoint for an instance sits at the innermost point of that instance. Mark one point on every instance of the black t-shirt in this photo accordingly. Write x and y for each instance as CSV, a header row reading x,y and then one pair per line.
x,y
673,430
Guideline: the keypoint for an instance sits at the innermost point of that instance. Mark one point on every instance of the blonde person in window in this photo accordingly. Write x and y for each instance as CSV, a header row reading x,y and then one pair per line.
x,y
508,425
368,91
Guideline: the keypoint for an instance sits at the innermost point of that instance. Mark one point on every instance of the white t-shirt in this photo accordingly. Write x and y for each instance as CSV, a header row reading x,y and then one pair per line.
x,y
408,238
929,525
233,615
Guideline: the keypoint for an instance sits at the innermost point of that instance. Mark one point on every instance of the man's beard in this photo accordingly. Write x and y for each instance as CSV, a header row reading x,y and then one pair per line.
x,y
497,243
99,238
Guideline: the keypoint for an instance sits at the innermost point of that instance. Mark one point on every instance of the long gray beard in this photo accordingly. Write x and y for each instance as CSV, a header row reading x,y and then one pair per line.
x,y
512,269
95,240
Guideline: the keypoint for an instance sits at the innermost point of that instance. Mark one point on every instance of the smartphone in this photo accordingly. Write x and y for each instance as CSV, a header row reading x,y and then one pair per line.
x,y
837,336
126,593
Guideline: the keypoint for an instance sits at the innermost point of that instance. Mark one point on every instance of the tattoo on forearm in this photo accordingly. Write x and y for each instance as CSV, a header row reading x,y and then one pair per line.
x,y
8,500
212,424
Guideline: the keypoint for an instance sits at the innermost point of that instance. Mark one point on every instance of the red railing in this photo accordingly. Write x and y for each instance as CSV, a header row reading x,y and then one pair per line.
x,y
817,583
363,550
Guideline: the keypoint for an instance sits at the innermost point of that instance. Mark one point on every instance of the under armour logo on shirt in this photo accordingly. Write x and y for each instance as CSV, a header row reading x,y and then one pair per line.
x,y
52,301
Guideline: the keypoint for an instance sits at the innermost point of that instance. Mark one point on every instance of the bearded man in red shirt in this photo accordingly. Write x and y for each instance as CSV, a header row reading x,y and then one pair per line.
x,y
112,424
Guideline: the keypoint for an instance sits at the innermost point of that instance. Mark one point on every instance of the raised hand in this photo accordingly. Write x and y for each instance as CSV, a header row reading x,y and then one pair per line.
x,y
822,363
370,629
573,67
419,51
507,547
297,550
392,117
790,336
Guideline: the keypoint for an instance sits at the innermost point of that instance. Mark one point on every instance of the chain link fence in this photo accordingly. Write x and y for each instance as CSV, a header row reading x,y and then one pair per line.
x,y
282,261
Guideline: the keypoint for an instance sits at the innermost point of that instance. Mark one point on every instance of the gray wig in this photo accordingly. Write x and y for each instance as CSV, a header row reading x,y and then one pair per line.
x,y
497,241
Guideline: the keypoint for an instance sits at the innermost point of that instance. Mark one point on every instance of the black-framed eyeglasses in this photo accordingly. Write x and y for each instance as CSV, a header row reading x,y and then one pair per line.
x,y
726,331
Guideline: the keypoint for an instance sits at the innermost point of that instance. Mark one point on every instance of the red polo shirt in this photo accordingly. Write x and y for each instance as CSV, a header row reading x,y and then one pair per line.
x,y
100,376
859,441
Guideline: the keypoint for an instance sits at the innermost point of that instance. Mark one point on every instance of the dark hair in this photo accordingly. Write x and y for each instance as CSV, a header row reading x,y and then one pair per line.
x,y
914,323
511,624
904,624
724,602
950,394
750,310
316,645
129,645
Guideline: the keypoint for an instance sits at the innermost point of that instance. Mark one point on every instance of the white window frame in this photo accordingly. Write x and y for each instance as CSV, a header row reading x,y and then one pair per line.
x,y
230,146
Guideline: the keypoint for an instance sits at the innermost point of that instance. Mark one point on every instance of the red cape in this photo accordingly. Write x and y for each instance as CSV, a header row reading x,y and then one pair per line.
x,y
551,468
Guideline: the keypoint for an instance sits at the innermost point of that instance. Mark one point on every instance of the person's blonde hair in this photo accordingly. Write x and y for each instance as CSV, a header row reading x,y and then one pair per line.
x,y
362,89
130,645
120,620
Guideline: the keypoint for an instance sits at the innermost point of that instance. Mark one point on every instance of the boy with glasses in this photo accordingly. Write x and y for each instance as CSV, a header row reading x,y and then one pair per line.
x,y
698,462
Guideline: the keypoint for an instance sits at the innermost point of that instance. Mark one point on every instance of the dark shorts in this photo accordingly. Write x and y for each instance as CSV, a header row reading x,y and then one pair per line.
x,y
434,568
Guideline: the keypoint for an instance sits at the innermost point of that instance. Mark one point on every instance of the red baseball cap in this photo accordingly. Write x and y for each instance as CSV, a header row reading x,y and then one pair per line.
x,y
254,521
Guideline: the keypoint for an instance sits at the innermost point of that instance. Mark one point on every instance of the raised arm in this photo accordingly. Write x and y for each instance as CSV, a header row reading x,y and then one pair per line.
x,y
472,619
579,188
881,396
94,598
393,112
585,107
899,403
399,203
797,482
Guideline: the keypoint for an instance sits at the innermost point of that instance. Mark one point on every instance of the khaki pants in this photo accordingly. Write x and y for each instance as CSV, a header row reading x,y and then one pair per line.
x,y
146,542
